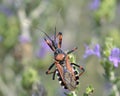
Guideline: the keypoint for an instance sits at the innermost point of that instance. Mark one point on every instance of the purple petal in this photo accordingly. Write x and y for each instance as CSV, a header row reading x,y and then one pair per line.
x,y
115,56
92,51
88,53
42,51
95,4
110,58
115,63
97,50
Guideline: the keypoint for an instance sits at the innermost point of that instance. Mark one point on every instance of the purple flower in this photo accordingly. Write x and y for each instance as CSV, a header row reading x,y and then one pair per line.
x,y
44,48
92,51
115,56
24,38
97,50
95,4
5,10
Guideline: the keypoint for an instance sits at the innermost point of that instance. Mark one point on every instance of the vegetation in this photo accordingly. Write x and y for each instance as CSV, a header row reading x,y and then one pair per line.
x,y
91,25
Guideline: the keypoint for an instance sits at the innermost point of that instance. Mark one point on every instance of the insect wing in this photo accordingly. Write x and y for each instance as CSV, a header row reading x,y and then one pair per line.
x,y
69,79
60,72
69,75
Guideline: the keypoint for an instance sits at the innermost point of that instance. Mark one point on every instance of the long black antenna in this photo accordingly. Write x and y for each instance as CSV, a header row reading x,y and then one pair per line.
x,y
47,35
55,34
56,24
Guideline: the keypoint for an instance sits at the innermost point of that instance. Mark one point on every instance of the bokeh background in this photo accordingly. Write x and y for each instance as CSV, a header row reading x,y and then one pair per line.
x,y
24,56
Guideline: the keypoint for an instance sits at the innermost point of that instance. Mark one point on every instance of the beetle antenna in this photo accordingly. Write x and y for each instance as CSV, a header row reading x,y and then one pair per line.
x,y
55,35
46,35
56,24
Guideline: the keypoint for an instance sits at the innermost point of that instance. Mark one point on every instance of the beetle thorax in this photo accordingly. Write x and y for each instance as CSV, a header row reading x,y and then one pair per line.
x,y
59,55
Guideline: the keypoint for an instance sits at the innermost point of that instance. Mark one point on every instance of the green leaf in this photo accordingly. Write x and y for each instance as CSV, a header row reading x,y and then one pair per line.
x,y
89,91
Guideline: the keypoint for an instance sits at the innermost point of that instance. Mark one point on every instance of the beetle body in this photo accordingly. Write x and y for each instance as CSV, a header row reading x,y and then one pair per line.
x,y
66,71
66,79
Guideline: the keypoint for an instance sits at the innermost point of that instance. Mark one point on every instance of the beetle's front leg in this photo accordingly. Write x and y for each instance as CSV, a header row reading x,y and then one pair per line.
x,y
48,71
72,50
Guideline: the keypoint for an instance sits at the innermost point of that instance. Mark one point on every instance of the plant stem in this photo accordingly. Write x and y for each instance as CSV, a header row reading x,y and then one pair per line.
x,y
74,94
114,86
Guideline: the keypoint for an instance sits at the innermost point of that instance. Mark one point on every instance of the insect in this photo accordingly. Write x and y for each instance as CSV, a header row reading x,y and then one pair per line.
x,y
66,71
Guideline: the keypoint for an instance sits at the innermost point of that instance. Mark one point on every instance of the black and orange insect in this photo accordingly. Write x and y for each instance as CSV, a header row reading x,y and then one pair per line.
x,y
66,71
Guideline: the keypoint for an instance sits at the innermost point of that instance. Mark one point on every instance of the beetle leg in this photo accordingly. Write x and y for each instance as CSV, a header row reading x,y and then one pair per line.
x,y
68,66
48,71
83,70
54,75
60,39
72,50
49,44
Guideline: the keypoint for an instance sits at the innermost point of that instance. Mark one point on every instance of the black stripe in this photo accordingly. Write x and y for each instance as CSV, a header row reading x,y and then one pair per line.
x,y
75,72
58,74
65,87
59,79
77,77
62,84
77,82
74,67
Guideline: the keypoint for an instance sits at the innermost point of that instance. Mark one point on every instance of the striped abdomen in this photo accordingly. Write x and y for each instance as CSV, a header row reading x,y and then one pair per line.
x,y
69,81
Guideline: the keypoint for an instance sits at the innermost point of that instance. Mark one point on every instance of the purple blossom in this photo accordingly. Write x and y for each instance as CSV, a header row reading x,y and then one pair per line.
x,y
115,56
5,10
24,39
95,4
92,51
97,50
44,48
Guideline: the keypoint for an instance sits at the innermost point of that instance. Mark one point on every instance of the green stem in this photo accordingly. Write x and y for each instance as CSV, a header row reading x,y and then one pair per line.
x,y
72,93
114,86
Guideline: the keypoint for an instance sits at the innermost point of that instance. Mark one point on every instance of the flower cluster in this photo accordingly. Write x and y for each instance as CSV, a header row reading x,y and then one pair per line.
x,y
114,56
110,59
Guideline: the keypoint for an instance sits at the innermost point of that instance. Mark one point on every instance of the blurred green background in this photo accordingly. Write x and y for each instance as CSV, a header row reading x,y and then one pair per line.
x,y
24,56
